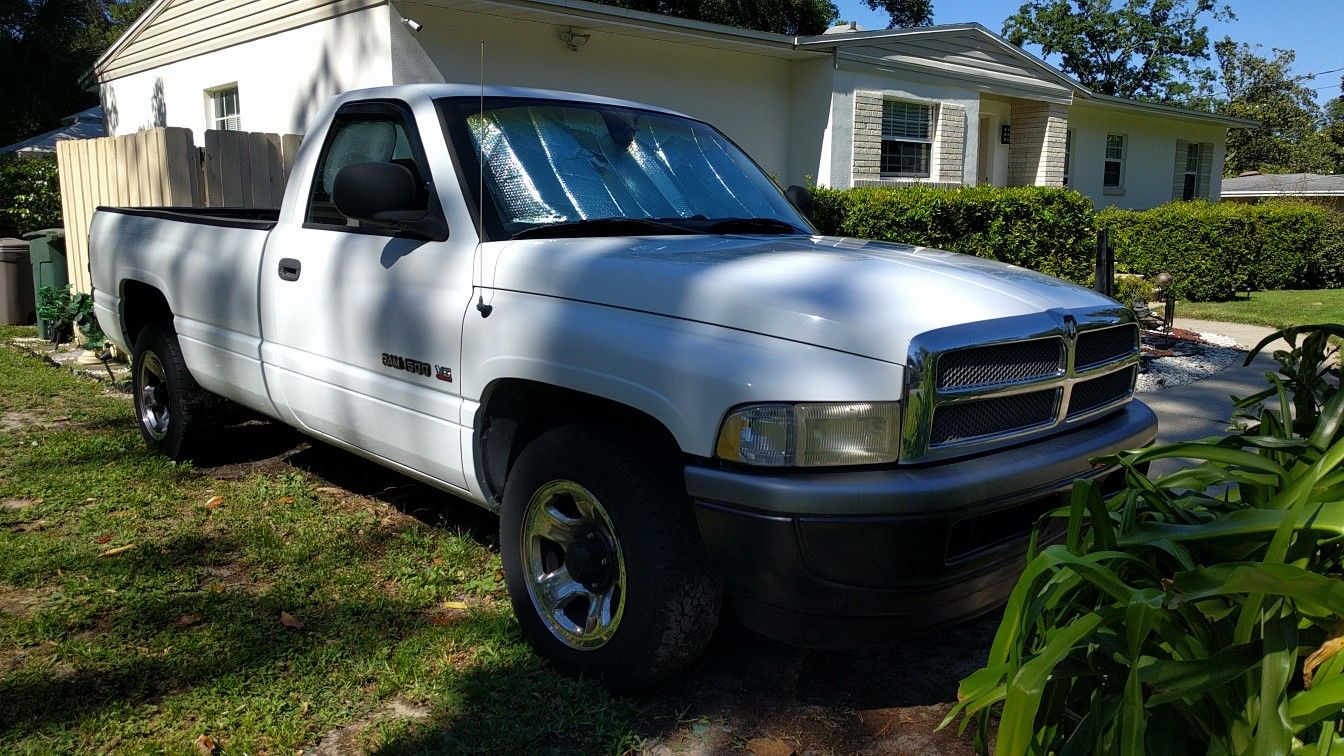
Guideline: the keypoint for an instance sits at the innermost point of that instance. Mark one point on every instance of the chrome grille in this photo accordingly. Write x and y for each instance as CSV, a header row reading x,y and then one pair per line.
x,y
1105,345
1038,373
954,423
1000,364
1099,392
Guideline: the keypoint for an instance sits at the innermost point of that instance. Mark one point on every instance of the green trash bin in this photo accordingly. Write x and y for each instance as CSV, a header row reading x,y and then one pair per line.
x,y
46,250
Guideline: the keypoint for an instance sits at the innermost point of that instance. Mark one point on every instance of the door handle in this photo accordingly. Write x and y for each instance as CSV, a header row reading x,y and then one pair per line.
x,y
289,269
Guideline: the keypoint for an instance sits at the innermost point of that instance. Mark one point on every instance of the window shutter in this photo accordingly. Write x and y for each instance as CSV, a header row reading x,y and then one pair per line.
x,y
1178,170
1205,170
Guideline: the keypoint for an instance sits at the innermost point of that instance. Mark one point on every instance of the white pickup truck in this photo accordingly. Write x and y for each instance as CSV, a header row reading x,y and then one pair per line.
x,y
602,320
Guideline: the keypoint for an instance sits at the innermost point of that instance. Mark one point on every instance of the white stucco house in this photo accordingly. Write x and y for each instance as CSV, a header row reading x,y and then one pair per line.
x,y
949,105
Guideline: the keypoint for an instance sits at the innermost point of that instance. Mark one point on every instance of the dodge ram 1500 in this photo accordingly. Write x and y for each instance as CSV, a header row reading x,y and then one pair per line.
x,y
604,321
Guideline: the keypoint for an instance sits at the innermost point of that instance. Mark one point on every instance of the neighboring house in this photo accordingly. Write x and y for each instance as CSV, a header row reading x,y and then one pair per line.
x,y
949,105
85,124
1307,187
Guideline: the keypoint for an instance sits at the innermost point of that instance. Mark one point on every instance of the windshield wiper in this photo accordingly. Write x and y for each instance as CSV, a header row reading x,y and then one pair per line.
x,y
751,225
602,227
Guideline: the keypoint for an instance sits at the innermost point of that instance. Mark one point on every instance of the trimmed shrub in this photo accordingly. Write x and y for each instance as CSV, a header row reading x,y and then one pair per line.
x,y
1217,250
1042,228
1209,249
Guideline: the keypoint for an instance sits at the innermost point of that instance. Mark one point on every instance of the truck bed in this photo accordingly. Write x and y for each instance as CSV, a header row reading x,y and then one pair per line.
x,y
205,262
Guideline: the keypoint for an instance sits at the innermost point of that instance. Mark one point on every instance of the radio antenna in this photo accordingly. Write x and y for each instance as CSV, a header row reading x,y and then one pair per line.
x,y
480,156
481,306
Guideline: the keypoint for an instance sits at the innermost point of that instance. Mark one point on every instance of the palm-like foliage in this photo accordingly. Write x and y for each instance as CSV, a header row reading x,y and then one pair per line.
x,y
1198,612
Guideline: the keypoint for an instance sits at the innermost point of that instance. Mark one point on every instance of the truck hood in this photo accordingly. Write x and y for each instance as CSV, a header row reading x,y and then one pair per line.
x,y
862,297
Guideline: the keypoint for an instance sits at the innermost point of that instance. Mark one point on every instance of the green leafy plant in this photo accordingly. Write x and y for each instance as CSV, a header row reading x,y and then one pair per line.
x,y
1129,289
56,307
30,195
65,310
1198,612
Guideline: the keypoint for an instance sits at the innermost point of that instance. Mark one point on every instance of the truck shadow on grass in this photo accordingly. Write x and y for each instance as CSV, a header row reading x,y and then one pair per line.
x,y
746,686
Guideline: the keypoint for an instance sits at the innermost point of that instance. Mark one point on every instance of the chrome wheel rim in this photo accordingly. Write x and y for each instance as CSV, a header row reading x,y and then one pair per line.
x,y
573,565
154,396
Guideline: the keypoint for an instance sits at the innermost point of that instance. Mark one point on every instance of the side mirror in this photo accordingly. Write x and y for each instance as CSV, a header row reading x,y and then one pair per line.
x,y
801,198
386,195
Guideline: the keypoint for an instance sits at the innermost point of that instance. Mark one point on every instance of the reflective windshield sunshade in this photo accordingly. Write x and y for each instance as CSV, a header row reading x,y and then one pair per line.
x,y
553,162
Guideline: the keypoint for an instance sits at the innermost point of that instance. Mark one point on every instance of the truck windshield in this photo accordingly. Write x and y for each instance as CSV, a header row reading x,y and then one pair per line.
x,y
562,168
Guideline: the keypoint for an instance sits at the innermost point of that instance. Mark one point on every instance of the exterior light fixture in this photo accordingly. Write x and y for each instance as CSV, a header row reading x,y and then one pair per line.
x,y
575,38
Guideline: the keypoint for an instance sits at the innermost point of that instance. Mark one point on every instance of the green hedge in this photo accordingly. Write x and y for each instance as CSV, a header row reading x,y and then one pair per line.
x,y
1050,230
1212,250
1217,250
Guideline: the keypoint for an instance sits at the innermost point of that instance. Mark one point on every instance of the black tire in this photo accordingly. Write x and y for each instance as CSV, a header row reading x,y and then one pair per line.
x,y
169,404
669,602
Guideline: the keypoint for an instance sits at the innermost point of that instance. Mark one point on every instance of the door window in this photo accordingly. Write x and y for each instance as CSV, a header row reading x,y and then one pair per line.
x,y
364,133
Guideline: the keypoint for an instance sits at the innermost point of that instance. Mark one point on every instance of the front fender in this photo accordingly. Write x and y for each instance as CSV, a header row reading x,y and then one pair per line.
x,y
685,374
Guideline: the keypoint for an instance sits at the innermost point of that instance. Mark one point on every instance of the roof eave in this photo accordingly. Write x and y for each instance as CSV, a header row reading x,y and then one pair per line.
x,y
1122,103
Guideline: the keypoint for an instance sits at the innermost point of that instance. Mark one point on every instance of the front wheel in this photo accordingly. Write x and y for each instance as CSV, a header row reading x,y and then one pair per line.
x,y
168,402
603,561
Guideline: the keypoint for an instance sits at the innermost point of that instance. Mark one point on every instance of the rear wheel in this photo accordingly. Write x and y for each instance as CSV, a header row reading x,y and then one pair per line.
x,y
603,562
168,402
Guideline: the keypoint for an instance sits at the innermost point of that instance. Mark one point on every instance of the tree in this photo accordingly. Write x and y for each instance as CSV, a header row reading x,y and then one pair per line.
x,y
800,17
46,46
904,14
1148,49
1334,127
1289,138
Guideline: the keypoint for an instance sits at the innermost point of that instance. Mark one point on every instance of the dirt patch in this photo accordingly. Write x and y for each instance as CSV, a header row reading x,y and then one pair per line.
x,y
20,419
14,505
345,740
886,700
19,602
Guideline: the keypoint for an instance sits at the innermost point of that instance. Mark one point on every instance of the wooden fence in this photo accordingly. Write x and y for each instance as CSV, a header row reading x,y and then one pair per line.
x,y
163,167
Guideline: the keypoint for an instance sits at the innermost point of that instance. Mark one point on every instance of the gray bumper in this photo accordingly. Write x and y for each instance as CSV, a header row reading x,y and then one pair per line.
x,y
837,559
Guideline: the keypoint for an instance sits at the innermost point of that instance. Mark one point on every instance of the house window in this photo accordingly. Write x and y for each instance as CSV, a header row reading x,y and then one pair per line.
x,y
1191,187
1113,175
224,110
907,138
1068,155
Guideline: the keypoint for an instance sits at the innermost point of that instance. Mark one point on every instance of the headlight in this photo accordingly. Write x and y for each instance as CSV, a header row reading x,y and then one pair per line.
x,y
811,435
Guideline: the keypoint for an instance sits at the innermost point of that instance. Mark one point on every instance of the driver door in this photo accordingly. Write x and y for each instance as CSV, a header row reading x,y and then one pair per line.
x,y
362,325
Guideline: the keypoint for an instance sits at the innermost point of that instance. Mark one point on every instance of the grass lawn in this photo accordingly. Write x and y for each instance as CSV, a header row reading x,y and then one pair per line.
x,y
1275,309
145,604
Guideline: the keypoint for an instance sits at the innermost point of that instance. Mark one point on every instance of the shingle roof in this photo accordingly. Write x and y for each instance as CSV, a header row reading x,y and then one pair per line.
x,y
1285,184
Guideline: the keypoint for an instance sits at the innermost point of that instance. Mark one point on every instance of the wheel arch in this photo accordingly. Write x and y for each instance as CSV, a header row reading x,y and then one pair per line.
x,y
142,303
514,411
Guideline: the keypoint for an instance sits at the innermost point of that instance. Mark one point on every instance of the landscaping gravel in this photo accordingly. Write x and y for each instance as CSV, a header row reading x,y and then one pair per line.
x,y
1184,357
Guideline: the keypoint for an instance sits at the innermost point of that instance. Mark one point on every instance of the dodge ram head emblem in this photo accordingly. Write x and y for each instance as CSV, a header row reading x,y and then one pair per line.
x,y
1070,328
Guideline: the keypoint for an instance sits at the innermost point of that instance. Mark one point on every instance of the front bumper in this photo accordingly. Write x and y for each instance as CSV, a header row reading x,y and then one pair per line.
x,y
832,560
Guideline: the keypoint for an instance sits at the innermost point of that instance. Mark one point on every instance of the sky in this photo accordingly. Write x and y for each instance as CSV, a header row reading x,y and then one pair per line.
x,y
1312,28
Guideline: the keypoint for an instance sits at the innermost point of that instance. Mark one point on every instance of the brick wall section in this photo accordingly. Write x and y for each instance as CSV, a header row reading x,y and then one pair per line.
x,y
1039,138
867,136
950,143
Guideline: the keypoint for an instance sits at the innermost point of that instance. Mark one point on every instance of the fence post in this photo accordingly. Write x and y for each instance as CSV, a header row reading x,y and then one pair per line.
x,y
1104,280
